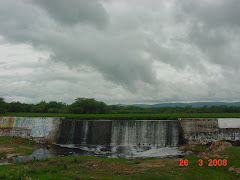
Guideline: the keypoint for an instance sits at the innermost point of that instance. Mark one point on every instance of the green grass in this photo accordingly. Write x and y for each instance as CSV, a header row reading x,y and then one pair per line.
x,y
16,141
3,155
16,145
195,148
90,167
162,116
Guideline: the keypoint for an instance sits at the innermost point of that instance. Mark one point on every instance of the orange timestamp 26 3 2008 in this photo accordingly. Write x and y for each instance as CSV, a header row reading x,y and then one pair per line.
x,y
211,162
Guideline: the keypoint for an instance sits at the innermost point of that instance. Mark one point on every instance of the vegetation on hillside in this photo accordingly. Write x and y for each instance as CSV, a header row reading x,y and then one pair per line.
x,y
92,106
155,116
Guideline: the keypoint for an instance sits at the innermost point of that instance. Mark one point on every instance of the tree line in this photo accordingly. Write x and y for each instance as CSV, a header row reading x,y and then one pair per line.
x,y
92,106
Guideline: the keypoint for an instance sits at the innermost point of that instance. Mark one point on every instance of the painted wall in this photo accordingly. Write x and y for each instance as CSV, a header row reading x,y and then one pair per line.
x,y
210,129
41,128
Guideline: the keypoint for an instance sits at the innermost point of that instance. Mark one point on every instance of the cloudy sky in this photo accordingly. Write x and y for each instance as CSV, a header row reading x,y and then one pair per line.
x,y
120,51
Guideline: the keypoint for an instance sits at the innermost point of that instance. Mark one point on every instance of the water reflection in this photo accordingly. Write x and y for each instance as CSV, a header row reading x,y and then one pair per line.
x,y
100,150
37,154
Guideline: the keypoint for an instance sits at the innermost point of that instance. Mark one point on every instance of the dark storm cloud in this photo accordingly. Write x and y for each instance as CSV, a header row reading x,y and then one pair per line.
x,y
115,56
136,50
72,12
215,27
214,13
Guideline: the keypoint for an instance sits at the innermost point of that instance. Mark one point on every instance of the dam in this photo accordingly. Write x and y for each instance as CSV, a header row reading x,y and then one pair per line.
x,y
103,132
111,138
122,138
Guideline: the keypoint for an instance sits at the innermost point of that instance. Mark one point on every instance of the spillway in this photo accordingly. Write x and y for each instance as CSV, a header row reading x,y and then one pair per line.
x,y
122,138
106,132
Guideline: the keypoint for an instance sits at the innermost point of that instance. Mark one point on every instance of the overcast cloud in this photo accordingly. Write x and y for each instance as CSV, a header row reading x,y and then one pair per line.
x,y
139,51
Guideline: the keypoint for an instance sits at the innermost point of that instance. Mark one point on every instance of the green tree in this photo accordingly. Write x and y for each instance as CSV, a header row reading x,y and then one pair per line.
x,y
3,107
87,106
41,107
16,107
56,107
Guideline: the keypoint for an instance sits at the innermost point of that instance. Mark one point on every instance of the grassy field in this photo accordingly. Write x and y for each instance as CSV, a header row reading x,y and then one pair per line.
x,y
89,167
172,116
15,146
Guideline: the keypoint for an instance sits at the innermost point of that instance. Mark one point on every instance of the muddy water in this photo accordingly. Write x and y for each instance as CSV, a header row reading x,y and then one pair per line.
x,y
99,150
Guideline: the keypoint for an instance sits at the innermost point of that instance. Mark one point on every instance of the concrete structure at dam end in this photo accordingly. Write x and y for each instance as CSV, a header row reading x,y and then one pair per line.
x,y
42,129
209,129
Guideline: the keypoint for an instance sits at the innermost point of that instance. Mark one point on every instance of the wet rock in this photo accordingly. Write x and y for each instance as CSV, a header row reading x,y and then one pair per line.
x,y
208,144
231,169
235,143
104,149
135,162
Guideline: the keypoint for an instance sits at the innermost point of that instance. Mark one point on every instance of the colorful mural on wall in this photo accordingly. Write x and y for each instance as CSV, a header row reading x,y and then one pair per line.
x,y
39,126
7,122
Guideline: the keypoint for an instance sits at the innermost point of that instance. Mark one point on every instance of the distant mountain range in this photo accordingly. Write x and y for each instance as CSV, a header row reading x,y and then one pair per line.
x,y
195,104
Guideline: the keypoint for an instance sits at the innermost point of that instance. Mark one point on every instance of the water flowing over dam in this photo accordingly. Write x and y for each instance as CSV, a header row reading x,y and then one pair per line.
x,y
145,133
119,138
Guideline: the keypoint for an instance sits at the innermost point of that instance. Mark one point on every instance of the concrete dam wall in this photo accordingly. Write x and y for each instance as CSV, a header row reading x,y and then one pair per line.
x,y
43,129
210,129
157,133
145,133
